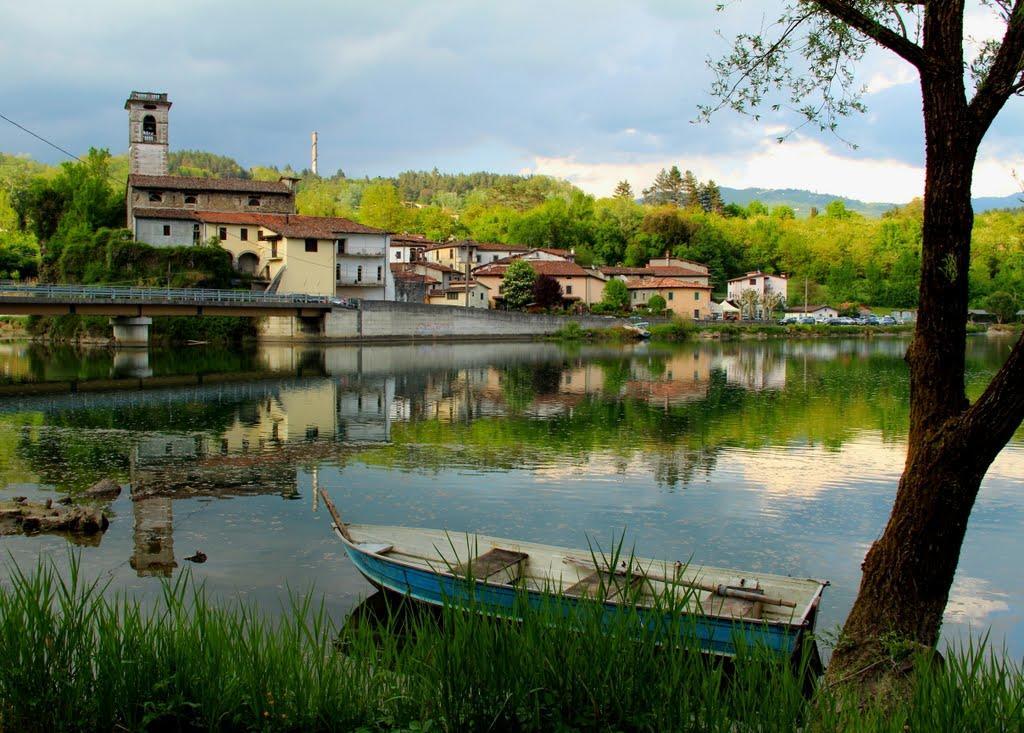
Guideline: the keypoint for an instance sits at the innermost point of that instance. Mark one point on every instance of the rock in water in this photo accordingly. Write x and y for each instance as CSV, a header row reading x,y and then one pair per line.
x,y
105,488
199,557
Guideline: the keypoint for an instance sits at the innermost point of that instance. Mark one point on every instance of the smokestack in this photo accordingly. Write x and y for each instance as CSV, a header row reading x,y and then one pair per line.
x,y
314,152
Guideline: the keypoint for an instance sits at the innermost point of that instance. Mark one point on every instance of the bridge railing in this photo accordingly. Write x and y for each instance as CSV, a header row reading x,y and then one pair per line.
x,y
88,293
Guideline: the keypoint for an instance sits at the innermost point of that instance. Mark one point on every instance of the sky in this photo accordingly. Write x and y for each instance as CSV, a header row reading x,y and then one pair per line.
x,y
587,90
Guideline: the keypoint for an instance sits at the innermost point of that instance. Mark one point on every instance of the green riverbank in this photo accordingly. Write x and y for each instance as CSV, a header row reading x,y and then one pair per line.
x,y
78,660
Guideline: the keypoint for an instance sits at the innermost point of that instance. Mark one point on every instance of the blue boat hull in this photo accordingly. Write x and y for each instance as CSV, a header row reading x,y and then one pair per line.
x,y
712,634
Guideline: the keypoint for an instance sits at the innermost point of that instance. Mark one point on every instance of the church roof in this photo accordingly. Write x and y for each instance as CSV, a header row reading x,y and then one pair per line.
x,y
184,183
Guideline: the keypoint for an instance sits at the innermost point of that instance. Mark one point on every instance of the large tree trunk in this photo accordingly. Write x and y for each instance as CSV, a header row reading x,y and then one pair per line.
x,y
908,572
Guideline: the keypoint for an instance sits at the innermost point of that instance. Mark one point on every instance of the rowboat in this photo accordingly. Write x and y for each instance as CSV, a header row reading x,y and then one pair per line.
x,y
720,610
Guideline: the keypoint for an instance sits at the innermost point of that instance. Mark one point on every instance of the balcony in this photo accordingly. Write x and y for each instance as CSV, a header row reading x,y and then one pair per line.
x,y
350,281
366,253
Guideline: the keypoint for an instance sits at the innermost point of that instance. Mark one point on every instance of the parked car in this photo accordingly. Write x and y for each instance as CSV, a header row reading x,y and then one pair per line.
x,y
887,321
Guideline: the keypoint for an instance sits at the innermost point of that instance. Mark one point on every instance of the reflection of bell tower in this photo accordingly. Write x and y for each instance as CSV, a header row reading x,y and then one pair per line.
x,y
147,133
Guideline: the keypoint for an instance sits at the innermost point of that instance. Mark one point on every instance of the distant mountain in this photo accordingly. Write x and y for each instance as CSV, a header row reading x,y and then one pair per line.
x,y
801,201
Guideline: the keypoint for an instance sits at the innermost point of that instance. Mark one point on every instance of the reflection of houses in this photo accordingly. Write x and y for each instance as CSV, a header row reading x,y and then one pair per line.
x,y
754,368
672,378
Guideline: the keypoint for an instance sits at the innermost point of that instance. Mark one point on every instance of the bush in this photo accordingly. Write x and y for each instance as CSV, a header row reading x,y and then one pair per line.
x,y
656,304
616,295
677,331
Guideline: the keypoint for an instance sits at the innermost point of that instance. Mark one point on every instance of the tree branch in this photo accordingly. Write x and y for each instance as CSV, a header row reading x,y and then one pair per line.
x,y
992,420
1002,79
898,44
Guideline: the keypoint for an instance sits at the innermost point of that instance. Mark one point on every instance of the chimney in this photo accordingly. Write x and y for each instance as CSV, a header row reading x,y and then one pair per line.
x,y
314,152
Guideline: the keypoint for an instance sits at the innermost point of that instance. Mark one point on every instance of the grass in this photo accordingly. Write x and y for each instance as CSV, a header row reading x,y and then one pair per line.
x,y
78,659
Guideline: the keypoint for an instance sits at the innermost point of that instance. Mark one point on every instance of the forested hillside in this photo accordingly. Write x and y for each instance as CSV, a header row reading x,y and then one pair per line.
x,y
844,256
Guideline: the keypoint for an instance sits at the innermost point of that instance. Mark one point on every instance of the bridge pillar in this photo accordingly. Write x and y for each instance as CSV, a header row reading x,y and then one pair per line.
x,y
131,331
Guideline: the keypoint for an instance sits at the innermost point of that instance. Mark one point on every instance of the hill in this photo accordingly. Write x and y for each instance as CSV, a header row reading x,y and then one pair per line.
x,y
801,201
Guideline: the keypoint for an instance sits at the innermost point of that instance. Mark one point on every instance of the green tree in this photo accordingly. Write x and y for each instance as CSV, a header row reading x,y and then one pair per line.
x,y
1003,306
656,304
691,191
668,188
380,207
908,571
517,284
624,191
615,296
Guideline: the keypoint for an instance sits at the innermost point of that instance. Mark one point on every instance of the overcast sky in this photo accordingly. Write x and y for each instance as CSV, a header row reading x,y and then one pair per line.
x,y
583,89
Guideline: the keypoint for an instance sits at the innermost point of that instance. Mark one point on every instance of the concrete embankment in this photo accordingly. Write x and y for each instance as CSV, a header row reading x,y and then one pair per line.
x,y
386,321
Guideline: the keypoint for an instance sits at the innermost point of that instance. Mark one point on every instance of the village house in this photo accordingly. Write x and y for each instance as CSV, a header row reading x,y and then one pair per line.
x,y
817,312
663,267
291,253
457,254
410,286
579,284
455,294
762,284
408,247
685,299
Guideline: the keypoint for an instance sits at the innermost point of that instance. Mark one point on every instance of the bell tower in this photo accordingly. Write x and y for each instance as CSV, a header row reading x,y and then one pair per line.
x,y
147,133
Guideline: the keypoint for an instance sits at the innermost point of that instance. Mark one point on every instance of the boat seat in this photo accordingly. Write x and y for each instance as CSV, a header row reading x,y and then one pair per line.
x,y
376,548
734,607
614,585
491,563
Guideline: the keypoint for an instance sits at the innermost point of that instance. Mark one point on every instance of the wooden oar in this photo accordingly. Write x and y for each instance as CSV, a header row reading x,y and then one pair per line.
x,y
335,516
720,589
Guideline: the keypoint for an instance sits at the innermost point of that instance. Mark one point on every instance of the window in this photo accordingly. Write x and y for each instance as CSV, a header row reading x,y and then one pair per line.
x,y
359,274
378,272
254,201
476,258
671,294
261,235
753,281
696,295
337,272
398,254
696,313
156,197
190,200
481,296
452,296
195,234
222,233
273,249
149,129
167,230
568,289
340,245
243,234
311,244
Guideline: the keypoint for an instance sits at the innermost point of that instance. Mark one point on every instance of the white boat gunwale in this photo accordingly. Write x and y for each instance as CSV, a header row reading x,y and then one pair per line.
x,y
797,621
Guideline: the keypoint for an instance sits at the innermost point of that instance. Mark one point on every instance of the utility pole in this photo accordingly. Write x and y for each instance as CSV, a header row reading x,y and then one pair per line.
x,y
467,273
314,156
805,294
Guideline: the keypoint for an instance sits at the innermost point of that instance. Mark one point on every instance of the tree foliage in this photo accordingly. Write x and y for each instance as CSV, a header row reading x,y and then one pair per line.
x,y
517,284
547,293
615,296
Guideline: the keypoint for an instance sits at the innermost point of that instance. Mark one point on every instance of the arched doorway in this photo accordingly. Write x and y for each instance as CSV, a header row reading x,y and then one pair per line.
x,y
247,263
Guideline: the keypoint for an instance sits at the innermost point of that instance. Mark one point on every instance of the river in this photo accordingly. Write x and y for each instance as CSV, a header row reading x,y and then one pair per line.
x,y
771,456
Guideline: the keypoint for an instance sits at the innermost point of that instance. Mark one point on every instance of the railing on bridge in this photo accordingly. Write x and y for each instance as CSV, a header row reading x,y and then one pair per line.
x,y
107,293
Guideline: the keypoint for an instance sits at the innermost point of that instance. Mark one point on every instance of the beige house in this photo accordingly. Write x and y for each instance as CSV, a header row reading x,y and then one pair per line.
x,y
406,248
455,294
579,284
683,298
306,254
663,267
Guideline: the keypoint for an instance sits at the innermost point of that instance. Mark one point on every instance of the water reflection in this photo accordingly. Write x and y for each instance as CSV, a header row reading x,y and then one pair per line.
x,y
771,455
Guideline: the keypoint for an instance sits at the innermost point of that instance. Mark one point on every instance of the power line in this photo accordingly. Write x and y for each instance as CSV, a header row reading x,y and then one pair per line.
x,y
52,144
40,137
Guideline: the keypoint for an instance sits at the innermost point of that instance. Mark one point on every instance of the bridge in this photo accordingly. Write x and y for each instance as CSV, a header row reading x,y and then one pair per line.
x,y
131,309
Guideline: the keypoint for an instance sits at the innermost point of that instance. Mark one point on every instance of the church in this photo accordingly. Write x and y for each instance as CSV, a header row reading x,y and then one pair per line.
x,y
255,221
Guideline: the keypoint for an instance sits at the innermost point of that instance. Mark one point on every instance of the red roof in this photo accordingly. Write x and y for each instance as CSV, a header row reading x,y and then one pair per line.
x,y
291,225
654,271
184,183
756,274
551,268
406,240
662,283
151,213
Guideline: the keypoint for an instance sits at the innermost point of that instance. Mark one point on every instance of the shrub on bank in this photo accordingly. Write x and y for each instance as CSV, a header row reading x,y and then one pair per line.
x,y
76,659
678,330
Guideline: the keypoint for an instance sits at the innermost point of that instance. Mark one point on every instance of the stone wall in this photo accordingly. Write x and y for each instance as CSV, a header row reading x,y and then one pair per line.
x,y
389,321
